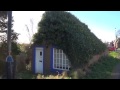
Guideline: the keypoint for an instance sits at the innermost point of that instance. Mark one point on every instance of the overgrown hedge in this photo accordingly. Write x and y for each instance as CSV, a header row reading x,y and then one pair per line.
x,y
64,30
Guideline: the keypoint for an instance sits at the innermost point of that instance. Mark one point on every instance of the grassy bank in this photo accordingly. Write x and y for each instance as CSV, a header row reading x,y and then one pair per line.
x,y
26,75
103,69
29,75
100,70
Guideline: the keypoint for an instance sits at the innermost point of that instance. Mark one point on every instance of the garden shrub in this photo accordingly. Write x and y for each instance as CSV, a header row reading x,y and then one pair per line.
x,y
68,33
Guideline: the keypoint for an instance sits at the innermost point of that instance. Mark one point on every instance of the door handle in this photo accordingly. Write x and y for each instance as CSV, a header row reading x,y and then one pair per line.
x,y
40,61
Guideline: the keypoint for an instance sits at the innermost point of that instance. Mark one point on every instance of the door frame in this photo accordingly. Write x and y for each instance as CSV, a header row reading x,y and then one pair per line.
x,y
34,58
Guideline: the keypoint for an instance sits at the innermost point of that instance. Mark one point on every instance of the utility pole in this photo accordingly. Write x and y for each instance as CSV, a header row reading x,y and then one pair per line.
x,y
9,31
9,59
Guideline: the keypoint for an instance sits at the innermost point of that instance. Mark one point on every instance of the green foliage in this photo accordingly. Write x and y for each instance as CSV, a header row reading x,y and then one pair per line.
x,y
24,47
76,73
3,27
3,22
114,54
2,67
3,37
68,33
26,75
15,48
103,69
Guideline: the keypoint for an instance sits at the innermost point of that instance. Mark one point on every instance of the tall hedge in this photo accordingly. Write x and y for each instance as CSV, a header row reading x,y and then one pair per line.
x,y
68,33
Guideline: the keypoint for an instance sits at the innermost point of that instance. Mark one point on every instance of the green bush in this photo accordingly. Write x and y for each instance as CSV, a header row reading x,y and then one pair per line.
x,y
2,67
76,73
14,47
103,69
68,33
4,54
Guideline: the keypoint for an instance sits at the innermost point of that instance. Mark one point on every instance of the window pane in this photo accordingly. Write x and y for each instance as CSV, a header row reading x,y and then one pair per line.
x,y
63,66
61,56
60,51
60,59
55,56
55,61
66,61
63,61
55,50
58,55
54,65
57,65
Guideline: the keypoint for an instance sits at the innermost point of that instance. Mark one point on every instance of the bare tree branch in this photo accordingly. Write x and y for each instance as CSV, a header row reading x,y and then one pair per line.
x,y
31,20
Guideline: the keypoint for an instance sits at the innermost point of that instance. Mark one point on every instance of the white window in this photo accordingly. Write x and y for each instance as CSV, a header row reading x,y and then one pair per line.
x,y
60,60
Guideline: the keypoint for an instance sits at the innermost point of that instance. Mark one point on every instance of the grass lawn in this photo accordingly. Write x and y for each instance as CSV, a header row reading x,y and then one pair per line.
x,y
26,75
114,54
100,70
103,69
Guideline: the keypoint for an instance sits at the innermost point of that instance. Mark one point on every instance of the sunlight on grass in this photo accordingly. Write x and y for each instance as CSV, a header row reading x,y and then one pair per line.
x,y
29,75
104,67
114,54
62,76
100,70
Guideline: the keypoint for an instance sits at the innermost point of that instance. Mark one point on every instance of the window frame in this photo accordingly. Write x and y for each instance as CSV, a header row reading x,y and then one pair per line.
x,y
57,63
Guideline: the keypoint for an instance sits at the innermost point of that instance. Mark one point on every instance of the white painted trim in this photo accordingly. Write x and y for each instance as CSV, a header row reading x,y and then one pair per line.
x,y
58,62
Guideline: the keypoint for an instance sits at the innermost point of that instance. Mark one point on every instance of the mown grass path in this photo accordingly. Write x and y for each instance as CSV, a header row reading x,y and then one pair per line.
x,y
116,71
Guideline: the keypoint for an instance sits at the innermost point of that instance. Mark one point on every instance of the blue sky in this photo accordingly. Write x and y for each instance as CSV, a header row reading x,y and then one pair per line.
x,y
101,23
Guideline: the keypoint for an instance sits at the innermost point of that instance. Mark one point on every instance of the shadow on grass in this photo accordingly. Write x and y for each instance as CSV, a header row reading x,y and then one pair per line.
x,y
26,75
103,68
100,70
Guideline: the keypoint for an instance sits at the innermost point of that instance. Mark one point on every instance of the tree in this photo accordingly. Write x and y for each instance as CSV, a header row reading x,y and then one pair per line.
x,y
3,18
28,48
3,28
68,33
3,34
30,31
